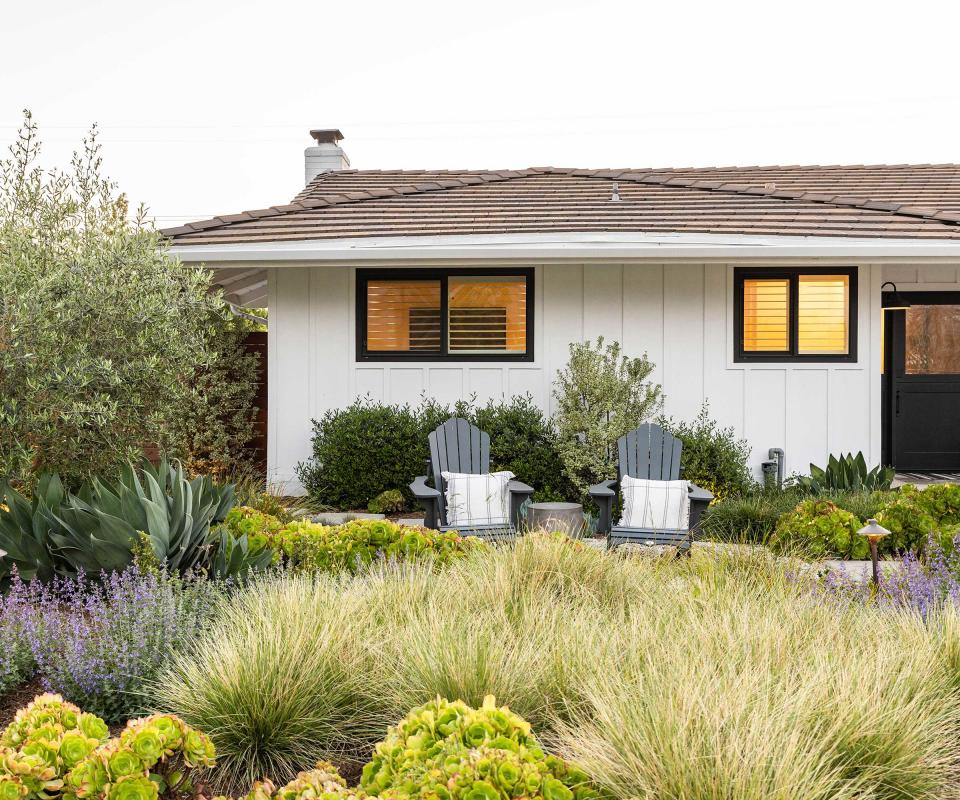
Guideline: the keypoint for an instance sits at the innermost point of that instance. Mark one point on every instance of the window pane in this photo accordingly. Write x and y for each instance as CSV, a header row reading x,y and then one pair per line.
x,y
824,313
766,315
403,316
933,340
487,314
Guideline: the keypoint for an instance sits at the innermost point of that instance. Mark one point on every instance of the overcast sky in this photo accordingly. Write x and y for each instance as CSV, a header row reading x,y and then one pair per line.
x,y
205,106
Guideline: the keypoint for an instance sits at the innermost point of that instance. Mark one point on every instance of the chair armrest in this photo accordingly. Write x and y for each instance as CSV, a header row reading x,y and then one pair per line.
x,y
429,499
516,487
700,495
603,494
519,492
699,500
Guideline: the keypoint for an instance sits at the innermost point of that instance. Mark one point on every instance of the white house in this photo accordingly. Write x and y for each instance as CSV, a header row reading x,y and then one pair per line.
x,y
758,289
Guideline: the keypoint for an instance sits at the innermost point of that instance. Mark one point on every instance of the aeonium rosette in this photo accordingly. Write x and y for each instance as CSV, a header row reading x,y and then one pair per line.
x,y
451,751
322,783
153,751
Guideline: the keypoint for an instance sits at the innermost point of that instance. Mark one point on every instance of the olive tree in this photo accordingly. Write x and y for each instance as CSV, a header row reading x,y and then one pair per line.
x,y
101,330
601,394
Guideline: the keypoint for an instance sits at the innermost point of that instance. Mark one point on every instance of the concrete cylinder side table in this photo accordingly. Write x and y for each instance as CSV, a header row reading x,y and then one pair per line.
x,y
564,517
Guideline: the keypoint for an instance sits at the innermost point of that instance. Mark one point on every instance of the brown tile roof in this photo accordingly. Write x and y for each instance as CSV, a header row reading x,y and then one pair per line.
x,y
902,201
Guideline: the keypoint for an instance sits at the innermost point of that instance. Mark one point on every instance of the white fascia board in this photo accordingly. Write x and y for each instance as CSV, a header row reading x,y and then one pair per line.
x,y
567,246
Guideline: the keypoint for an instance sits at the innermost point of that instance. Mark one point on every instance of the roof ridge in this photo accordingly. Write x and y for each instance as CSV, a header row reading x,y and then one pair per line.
x,y
838,200
341,198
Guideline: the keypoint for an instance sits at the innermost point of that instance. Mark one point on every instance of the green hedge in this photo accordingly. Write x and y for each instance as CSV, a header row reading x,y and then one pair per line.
x,y
368,448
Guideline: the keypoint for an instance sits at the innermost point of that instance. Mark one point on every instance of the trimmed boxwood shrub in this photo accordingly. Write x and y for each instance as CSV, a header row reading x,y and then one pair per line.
x,y
368,448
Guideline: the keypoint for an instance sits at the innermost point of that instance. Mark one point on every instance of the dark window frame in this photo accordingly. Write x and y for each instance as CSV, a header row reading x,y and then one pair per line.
x,y
364,276
792,274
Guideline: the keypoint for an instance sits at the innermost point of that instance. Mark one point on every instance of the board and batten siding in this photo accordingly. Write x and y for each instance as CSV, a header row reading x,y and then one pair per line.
x,y
678,313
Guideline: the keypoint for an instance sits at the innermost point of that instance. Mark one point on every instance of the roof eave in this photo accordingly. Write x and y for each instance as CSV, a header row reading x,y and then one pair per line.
x,y
569,246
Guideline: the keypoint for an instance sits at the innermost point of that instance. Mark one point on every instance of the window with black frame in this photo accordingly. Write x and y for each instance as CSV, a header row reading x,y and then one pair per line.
x,y
445,315
796,314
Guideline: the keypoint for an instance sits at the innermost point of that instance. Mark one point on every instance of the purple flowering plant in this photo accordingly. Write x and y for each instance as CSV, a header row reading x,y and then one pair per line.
x,y
922,584
16,656
98,642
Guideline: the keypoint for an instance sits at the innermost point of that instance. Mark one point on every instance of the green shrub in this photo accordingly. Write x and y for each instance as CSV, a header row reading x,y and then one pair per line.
x,y
451,750
53,750
365,449
712,457
98,528
389,502
350,547
820,529
750,518
523,441
601,394
369,448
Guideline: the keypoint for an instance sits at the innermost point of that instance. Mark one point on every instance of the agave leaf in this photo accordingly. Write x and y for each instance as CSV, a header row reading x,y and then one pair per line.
x,y
131,508
20,509
106,500
158,526
861,463
114,530
50,489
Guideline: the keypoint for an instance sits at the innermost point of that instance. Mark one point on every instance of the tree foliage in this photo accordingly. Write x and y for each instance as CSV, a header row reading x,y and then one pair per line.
x,y
102,332
601,395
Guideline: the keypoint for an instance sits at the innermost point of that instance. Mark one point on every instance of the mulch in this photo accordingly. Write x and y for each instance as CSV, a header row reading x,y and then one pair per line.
x,y
17,698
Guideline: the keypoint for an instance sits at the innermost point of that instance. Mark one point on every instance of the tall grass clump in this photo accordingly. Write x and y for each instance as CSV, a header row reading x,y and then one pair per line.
x,y
278,683
717,676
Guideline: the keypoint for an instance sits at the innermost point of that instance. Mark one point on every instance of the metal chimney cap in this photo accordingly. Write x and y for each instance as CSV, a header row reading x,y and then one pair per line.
x,y
326,135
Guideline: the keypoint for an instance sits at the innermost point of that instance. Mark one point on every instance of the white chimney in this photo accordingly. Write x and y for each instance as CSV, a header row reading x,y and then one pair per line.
x,y
326,155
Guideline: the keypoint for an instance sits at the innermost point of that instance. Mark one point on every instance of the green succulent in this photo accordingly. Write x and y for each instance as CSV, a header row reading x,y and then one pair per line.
x,y
389,502
357,544
449,750
821,529
322,783
103,525
847,473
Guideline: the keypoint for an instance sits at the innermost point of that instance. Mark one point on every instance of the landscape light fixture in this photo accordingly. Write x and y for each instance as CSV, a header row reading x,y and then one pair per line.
x,y
874,533
894,301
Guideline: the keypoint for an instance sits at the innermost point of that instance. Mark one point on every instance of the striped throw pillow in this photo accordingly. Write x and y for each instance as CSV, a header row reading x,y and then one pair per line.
x,y
655,505
478,499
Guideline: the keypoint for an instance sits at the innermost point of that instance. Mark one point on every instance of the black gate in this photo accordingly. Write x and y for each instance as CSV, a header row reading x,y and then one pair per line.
x,y
922,377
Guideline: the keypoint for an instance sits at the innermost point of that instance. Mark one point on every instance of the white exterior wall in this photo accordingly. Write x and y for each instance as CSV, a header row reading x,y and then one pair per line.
x,y
679,313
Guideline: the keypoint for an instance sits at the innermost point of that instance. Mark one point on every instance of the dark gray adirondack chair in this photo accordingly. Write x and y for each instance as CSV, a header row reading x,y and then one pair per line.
x,y
648,452
458,446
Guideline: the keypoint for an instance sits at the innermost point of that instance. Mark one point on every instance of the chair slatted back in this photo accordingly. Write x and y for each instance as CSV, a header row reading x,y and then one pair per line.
x,y
457,446
649,452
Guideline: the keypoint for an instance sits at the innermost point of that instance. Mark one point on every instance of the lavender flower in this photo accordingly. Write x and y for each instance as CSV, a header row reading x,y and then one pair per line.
x,y
98,642
923,585
16,658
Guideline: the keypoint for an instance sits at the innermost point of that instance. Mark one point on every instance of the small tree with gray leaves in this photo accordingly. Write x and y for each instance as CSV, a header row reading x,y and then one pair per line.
x,y
601,394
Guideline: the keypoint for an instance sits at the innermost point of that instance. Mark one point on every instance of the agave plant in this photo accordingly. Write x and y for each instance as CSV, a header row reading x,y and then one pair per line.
x,y
98,527
847,473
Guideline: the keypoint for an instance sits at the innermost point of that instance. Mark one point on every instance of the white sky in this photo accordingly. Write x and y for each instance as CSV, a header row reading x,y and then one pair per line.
x,y
204,106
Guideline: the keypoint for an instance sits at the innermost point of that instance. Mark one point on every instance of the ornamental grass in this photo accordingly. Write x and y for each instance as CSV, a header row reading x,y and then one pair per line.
x,y
717,676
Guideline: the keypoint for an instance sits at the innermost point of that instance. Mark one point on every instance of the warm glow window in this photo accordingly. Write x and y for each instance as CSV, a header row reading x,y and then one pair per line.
x,y
795,315
444,315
